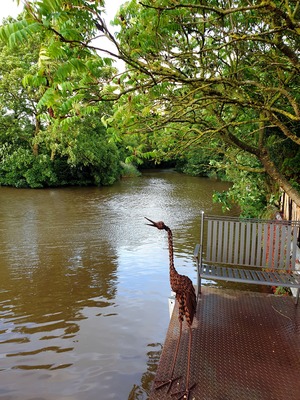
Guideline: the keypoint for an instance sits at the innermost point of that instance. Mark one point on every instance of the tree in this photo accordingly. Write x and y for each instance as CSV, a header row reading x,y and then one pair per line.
x,y
50,134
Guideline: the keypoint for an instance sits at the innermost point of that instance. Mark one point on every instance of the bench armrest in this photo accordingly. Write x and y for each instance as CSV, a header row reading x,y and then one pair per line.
x,y
197,252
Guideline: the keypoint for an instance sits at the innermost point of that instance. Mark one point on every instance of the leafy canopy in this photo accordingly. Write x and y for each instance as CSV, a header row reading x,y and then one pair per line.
x,y
218,75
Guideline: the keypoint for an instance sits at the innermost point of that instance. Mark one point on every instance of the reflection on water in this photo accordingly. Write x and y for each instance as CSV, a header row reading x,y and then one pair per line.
x,y
84,284
141,391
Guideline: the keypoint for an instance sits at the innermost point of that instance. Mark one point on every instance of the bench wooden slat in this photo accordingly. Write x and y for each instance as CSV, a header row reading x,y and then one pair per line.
x,y
254,276
295,278
260,276
241,244
294,245
236,244
209,241
242,274
236,273
281,257
249,277
253,244
247,244
258,262
220,241
230,242
219,271
225,241
284,279
266,276
277,232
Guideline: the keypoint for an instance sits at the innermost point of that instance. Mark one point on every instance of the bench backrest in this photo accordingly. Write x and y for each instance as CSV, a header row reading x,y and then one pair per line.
x,y
248,242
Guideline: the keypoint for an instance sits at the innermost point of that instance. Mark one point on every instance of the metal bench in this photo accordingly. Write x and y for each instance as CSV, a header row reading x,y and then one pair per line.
x,y
261,252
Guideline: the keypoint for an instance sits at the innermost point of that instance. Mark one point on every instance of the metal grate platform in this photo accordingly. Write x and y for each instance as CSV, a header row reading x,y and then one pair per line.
x,y
246,345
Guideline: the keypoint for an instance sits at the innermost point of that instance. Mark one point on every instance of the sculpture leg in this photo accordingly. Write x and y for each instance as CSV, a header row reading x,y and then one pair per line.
x,y
186,393
170,381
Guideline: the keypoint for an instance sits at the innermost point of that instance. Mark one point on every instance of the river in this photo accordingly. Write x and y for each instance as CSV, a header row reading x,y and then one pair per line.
x,y
84,284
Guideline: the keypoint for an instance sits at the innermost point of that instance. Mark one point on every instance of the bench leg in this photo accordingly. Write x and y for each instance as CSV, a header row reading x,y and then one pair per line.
x,y
297,296
199,288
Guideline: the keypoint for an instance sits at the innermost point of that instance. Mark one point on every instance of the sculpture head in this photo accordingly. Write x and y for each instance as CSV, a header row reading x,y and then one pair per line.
x,y
158,225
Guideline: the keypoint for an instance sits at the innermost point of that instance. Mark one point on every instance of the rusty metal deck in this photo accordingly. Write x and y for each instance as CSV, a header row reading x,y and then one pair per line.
x,y
246,345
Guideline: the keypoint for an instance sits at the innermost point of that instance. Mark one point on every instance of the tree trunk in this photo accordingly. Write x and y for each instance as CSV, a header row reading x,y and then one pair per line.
x,y
35,148
269,166
272,171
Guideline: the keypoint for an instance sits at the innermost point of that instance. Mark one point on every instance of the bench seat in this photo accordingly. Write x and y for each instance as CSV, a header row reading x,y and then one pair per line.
x,y
258,277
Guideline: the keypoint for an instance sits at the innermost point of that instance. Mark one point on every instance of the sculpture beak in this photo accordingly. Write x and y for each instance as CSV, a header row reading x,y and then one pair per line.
x,y
152,222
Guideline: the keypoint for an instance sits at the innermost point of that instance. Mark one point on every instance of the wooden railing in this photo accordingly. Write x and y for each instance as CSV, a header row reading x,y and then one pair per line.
x,y
289,210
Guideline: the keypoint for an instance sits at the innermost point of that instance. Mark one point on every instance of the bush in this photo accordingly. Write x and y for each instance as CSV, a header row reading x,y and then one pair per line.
x,y
21,168
80,156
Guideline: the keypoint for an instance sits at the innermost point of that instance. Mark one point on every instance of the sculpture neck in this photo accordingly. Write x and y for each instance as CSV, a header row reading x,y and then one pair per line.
x,y
171,251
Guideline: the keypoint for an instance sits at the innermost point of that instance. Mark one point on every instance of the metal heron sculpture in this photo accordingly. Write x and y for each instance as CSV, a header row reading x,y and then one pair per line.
x,y
186,297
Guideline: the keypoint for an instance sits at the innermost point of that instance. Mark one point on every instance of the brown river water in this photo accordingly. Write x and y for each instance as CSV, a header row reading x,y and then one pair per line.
x,y
84,284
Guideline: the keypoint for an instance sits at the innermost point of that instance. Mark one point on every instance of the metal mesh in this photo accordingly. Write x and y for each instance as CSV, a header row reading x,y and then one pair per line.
x,y
246,345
